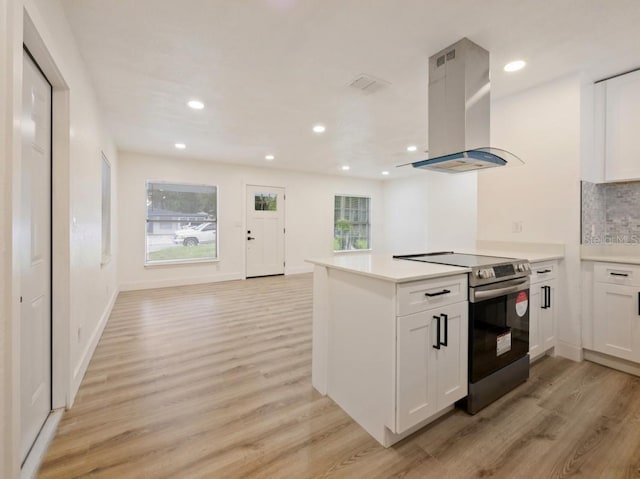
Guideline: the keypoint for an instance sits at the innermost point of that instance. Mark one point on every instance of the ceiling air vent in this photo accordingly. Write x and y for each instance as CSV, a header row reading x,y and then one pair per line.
x,y
368,83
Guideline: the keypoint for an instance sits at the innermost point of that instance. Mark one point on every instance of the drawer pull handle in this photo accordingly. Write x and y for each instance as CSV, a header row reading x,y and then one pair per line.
x,y
619,274
543,271
439,293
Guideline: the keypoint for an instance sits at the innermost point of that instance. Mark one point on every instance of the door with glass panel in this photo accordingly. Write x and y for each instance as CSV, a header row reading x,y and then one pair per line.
x,y
265,230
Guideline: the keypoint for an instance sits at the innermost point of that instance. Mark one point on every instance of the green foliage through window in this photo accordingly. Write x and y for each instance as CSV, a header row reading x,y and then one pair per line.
x,y
352,229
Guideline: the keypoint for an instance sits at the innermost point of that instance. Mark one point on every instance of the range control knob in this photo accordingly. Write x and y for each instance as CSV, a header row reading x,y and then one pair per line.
x,y
486,273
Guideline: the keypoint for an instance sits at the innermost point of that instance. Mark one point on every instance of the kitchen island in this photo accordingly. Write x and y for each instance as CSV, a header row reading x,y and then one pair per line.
x,y
389,340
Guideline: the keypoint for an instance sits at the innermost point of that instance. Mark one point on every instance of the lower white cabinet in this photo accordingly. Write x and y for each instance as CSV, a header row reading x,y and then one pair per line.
x,y
616,320
431,367
542,308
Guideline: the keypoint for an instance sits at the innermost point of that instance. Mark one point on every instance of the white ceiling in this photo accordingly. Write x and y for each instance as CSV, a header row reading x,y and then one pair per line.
x,y
268,70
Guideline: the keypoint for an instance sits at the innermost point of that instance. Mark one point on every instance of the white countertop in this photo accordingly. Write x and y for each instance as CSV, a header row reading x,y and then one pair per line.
x,y
532,256
386,268
611,259
615,253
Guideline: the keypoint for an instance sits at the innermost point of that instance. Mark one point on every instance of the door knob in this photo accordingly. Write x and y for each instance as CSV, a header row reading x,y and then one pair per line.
x,y
249,238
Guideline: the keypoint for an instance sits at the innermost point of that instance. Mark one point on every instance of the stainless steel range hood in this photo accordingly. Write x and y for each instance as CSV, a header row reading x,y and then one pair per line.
x,y
459,117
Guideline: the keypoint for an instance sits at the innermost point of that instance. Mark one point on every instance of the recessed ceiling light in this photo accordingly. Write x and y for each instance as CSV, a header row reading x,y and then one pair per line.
x,y
385,173
346,168
319,129
195,104
269,157
514,66
180,146
412,148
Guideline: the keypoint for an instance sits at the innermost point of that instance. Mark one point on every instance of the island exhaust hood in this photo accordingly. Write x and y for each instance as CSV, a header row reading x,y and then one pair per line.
x,y
459,117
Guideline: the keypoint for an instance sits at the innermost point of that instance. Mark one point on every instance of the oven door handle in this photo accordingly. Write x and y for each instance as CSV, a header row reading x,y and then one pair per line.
x,y
513,287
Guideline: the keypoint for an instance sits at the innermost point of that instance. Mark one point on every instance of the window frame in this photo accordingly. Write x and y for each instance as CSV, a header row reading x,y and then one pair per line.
x,y
370,238
170,262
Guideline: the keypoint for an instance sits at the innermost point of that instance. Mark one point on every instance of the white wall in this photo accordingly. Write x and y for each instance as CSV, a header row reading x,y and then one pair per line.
x,y
308,221
430,211
543,127
85,289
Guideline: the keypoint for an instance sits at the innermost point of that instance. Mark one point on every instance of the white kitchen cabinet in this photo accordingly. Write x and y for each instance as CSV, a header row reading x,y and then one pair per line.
x,y
431,368
618,116
616,313
542,308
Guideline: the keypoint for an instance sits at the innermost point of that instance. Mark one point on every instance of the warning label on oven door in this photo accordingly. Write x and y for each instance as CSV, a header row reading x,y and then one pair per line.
x,y
503,343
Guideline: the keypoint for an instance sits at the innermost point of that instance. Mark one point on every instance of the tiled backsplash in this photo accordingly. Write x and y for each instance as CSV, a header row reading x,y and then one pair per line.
x,y
610,213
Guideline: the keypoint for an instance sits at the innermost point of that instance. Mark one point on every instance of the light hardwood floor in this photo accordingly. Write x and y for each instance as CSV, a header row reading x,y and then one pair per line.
x,y
214,381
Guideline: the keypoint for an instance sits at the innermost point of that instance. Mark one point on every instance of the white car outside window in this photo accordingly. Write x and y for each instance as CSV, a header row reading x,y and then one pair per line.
x,y
204,233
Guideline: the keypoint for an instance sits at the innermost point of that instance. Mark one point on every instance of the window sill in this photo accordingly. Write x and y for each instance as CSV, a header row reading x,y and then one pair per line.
x,y
180,262
349,251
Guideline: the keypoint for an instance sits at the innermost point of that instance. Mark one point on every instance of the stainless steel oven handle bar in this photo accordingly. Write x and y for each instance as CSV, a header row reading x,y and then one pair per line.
x,y
498,289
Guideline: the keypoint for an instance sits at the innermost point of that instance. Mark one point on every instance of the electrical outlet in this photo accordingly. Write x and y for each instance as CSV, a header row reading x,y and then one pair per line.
x,y
516,227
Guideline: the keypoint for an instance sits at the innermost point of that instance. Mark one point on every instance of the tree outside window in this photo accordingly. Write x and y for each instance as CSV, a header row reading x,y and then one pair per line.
x,y
182,222
351,227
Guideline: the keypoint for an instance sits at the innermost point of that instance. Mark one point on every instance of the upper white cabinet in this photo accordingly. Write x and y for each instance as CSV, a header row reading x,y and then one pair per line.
x,y
617,121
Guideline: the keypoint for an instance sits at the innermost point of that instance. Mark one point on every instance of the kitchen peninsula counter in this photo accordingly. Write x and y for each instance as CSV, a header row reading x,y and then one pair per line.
x,y
364,338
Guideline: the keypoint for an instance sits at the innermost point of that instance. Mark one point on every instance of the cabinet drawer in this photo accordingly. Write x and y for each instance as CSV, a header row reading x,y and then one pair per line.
x,y
544,271
419,296
613,273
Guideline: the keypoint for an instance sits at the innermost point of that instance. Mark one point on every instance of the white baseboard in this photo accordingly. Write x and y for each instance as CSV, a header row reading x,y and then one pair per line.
x,y
169,283
569,351
81,368
612,362
39,450
299,270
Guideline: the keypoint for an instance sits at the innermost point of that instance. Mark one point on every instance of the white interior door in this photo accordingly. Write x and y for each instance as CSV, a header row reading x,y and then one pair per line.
x,y
265,230
35,259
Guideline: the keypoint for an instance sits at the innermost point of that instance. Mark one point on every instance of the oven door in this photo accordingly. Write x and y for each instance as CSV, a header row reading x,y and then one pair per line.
x,y
498,326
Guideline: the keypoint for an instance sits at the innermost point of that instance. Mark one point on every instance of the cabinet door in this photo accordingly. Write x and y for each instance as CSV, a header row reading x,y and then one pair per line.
x,y
622,145
415,378
536,297
616,323
548,318
451,360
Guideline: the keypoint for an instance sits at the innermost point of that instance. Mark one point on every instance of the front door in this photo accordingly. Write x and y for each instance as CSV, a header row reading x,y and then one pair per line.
x,y
265,231
34,234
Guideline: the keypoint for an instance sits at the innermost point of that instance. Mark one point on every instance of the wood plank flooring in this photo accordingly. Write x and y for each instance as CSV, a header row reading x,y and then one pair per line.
x,y
214,381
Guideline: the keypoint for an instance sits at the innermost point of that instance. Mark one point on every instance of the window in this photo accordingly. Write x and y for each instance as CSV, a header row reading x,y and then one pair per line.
x,y
266,202
351,228
106,209
182,223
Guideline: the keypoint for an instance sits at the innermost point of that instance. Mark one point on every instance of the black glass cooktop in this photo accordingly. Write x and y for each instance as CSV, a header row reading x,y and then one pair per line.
x,y
457,259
